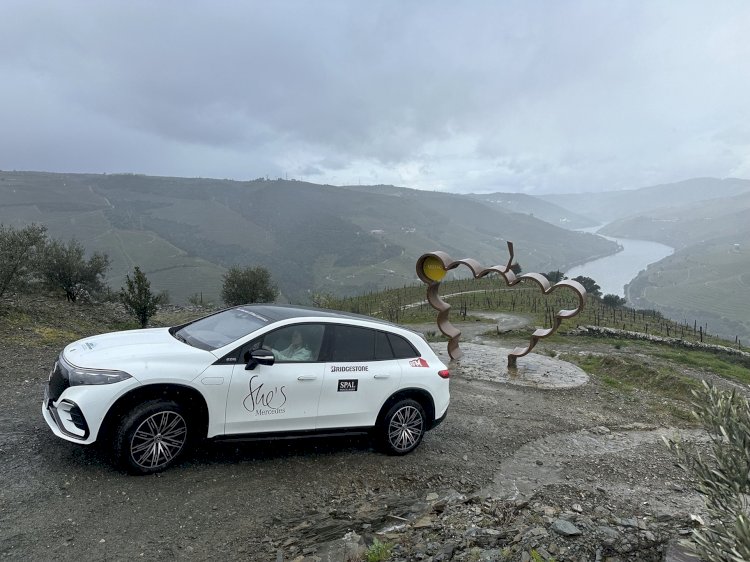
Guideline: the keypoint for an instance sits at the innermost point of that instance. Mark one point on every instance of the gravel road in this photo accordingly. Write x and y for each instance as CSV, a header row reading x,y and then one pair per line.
x,y
283,500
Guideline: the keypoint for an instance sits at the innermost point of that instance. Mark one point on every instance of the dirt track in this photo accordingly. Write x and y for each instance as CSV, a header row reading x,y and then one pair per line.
x,y
260,501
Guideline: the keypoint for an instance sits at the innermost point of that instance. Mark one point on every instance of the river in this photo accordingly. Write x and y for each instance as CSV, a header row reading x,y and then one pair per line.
x,y
613,272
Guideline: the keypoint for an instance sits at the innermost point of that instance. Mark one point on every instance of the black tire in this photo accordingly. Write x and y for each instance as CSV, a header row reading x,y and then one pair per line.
x,y
152,437
402,428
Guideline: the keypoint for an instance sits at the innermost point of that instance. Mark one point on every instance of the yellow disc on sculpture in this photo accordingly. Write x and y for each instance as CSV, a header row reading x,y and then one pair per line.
x,y
433,268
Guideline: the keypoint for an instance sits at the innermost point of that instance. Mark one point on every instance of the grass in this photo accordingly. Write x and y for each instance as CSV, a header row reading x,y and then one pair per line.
x,y
728,366
627,374
54,322
54,336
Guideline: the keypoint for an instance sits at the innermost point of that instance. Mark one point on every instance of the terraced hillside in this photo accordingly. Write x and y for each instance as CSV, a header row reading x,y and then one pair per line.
x,y
184,232
707,278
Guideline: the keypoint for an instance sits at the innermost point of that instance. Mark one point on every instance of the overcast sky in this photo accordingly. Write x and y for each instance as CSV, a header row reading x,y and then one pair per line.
x,y
546,96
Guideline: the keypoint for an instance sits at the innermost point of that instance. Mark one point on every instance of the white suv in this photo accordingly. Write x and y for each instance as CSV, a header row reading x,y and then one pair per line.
x,y
255,371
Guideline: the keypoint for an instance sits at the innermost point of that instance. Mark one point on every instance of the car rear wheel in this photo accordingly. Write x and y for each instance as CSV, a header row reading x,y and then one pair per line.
x,y
152,437
403,427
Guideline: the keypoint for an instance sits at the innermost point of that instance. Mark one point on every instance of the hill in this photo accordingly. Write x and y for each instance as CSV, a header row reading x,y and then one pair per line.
x,y
607,206
537,207
314,238
707,277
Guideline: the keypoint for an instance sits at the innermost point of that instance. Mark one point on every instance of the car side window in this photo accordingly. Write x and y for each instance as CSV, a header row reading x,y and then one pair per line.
x,y
402,349
383,351
352,343
298,343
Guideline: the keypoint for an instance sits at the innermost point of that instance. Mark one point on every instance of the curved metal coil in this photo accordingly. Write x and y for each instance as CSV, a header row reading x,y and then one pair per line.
x,y
443,308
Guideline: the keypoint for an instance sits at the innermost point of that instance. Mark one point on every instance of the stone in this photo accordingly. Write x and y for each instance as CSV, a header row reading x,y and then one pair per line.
x,y
432,497
565,528
448,550
538,532
423,522
632,522
608,533
541,551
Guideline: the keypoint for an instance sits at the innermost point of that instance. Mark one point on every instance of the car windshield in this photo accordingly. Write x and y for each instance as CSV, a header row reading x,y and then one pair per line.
x,y
221,329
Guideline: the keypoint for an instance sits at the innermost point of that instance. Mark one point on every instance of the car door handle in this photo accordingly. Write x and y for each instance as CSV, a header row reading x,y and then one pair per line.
x,y
306,378
382,376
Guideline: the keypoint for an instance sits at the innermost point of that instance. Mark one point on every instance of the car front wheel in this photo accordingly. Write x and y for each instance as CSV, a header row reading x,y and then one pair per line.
x,y
403,427
152,437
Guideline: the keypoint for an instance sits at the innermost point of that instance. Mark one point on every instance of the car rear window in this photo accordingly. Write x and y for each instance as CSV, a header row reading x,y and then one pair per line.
x,y
402,349
354,343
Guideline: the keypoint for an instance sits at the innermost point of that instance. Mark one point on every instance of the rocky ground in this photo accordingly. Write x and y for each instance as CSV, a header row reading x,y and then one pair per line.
x,y
522,469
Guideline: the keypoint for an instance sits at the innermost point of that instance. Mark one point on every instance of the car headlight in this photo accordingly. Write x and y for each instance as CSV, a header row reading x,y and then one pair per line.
x,y
78,376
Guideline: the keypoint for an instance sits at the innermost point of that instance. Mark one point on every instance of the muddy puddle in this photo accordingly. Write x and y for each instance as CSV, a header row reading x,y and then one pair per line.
x,y
567,457
490,363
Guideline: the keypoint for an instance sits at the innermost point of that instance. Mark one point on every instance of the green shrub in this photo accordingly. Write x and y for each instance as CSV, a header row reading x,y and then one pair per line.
x,y
378,551
138,298
244,285
723,478
18,252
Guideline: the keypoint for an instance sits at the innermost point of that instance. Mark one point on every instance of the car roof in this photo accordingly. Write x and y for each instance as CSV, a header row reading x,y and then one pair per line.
x,y
276,312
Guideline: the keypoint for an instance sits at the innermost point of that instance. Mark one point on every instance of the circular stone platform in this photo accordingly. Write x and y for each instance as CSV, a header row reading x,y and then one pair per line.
x,y
490,363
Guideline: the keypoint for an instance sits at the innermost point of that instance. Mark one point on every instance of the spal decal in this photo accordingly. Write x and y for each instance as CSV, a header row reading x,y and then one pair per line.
x,y
419,362
427,270
348,385
264,403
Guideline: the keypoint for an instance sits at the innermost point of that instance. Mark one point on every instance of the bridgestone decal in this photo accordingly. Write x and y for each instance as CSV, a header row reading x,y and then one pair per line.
x,y
352,369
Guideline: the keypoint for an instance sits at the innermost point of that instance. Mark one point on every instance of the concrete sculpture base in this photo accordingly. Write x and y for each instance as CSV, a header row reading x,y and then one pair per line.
x,y
480,362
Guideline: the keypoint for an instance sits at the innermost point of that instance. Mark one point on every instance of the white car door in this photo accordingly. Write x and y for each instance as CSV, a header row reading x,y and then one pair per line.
x,y
283,396
360,375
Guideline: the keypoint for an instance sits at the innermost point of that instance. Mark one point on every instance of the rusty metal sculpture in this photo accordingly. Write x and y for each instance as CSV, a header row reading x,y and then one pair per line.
x,y
432,267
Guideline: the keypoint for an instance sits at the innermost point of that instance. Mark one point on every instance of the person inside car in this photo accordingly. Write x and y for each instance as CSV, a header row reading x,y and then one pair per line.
x,y
295,351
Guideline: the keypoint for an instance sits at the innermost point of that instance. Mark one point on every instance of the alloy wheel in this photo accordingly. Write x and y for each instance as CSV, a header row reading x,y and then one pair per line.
x,y
158,439
405,428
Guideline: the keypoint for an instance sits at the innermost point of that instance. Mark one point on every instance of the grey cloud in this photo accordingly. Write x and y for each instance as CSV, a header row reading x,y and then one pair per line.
x,y
543,96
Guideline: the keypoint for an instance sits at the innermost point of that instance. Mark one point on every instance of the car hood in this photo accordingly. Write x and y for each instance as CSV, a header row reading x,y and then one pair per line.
x,y
133,348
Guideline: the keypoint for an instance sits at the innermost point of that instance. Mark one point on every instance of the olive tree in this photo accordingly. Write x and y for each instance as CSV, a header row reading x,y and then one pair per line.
x,y
18,253
591,286
247,285
555,276
613,300
137,297
63,266
721,474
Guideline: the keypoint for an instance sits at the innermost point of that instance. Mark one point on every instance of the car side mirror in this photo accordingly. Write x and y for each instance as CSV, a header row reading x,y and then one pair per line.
x,y
259,357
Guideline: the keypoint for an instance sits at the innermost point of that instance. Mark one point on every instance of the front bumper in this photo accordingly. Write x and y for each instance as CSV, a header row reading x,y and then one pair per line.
x,y
78,413
65,419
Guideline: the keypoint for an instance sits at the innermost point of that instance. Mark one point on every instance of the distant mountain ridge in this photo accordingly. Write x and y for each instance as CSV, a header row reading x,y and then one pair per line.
x,y
607,206
539,208
315,238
